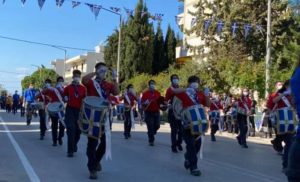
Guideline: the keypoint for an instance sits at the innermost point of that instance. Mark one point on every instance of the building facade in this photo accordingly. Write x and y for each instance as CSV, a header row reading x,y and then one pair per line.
x,y
85,63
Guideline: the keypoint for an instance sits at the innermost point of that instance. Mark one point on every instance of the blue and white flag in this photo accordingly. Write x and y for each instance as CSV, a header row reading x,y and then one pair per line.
x,y
3,1
41,3
94,8
220,26
247,29
234,28
59,3
75,4
115,9
129,12
207,23
23,2
178,19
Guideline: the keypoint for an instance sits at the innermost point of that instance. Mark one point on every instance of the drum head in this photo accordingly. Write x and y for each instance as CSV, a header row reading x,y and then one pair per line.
x,y
177,107
55,107
96,102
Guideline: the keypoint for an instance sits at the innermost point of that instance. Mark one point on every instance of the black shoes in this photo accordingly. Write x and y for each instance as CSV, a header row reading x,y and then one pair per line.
x,y
93,175
70,155
213,138
245,146
41,137
174,149
151,144
195,172
54,144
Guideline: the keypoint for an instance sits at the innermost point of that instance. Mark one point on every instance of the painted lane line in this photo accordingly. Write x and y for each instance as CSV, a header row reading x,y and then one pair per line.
x,y
28,168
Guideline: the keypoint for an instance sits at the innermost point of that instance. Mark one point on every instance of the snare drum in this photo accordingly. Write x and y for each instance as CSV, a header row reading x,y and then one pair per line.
x,y
214,117
93,116
194,117
56,109
286,121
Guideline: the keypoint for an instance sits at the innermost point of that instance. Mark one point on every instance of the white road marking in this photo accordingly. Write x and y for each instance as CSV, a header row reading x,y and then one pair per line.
x,y
28,168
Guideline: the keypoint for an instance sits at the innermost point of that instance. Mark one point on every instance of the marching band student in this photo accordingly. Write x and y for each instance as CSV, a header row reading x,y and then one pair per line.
x,y
151,101
101,88
214,115
283,99
73,95
54,95
175,124
130,101
40,97
293,170
244,105
192,97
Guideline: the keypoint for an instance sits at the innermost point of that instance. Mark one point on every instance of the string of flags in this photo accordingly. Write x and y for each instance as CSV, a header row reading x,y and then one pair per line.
x,y
95,9
235,26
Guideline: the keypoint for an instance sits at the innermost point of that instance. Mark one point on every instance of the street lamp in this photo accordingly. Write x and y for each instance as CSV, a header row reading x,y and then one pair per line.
x,y
65,51
269,46
119,41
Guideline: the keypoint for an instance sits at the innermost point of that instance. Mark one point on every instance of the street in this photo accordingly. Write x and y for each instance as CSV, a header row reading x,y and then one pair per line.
x,y
25,157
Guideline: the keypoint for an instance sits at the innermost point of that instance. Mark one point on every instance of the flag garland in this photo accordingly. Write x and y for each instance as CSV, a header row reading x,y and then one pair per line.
x,y
95,8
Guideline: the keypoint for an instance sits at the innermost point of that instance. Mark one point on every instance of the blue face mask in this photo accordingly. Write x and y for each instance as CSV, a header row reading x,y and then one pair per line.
x,y
152,86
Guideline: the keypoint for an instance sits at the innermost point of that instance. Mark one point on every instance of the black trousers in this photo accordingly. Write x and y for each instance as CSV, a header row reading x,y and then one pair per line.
x,y
176,129
193,145
43,126
252,123
95,152
73,131
153,124
55,126
293,169
242,124
15,107
127,123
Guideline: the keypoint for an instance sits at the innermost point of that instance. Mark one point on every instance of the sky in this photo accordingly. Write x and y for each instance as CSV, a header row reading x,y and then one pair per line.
x,y
59,26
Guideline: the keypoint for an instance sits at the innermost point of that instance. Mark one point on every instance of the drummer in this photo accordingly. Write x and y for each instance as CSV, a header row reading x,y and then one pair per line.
x,y
96,149
40,97
130,100
193,142
283,99
151,106
214,115
54,96
175,124
73,95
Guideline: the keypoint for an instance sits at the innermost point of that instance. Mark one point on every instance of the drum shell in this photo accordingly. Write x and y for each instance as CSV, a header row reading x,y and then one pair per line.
x,y
92,119
286,121
55,109
195,119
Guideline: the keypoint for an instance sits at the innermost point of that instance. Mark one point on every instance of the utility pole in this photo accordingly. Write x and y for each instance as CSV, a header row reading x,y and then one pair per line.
x,y
269,46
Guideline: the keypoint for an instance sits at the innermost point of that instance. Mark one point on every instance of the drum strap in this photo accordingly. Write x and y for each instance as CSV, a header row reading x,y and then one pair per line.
x,y
245,106
193,97
127,98
215,105
98,88
286,101
58,95
131,111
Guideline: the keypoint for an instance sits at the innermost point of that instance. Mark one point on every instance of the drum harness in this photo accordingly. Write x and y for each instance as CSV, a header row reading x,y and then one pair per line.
x,y
108,154
131,110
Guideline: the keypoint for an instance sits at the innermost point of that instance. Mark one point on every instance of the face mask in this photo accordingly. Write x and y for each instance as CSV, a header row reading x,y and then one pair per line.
x,y
48,85
278,87
131,90
195,85
76,79
152,87
245,93
175,81
101,72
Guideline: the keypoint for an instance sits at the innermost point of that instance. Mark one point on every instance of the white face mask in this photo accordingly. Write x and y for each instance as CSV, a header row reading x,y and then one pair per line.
x,y
245,93
152,87
101,72
175,81
48,85
131,90
76,79
195,85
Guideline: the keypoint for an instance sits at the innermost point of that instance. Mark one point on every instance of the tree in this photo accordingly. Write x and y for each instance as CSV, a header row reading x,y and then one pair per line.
x,y
240,47
159,62
170,46
38,77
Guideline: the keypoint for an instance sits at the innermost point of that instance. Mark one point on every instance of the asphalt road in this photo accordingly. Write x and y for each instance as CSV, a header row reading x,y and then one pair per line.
x,y
23,157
